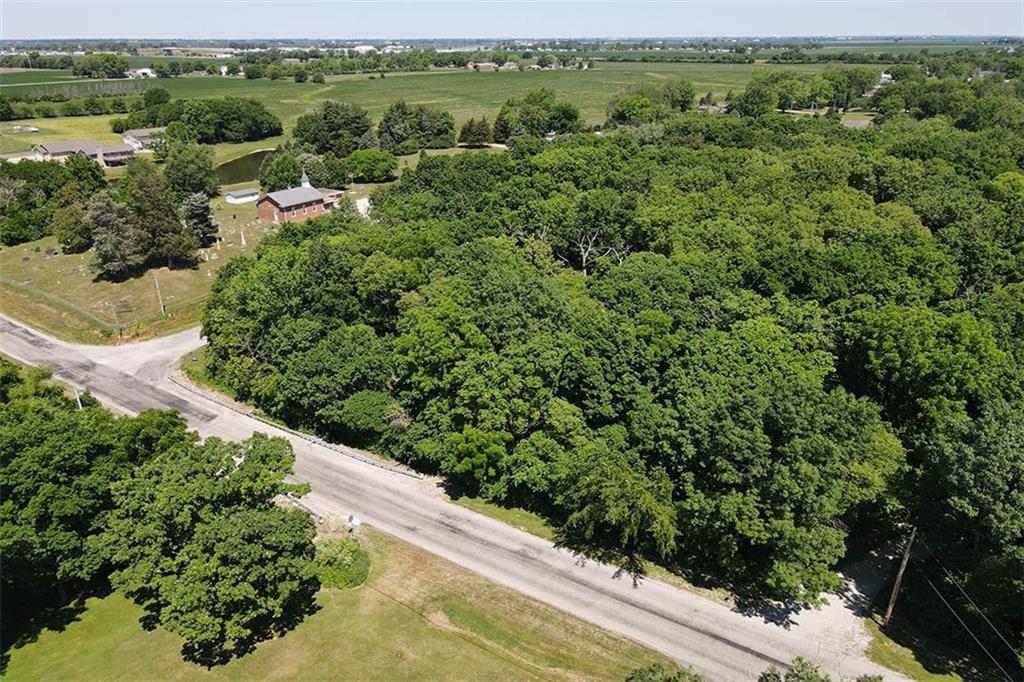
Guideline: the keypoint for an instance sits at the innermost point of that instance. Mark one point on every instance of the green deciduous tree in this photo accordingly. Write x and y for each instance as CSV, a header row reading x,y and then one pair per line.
x,y
198,542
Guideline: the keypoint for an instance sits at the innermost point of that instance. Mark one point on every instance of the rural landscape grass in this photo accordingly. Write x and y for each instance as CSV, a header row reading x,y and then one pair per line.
x,y
417,617
465,94
60,293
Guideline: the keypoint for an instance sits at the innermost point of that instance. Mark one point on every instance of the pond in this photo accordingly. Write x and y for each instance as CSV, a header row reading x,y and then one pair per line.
x,y
243,169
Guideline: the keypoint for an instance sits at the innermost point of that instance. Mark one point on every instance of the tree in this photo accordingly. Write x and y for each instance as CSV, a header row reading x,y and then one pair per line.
x,y
633,109
120,248
405,129
333,127
155,216
86,172
475,133
101,65
618,512
678,94
300,75
189,170
72,228
279,171
59,464
371,165
196,213
199,544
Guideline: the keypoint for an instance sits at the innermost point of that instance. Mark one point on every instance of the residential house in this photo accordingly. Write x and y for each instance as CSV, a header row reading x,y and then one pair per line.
x,y
509,66
104,154
485,66
142,73
141,138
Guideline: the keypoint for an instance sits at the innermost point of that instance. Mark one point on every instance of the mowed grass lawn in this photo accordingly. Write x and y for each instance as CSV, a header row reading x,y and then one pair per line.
x,y
418,617
60,294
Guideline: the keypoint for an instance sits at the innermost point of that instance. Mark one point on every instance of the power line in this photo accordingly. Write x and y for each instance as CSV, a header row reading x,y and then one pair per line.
x,y
969,631
968,597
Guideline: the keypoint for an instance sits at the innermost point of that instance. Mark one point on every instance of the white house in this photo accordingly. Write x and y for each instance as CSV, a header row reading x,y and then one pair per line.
x,y
141,138
142,73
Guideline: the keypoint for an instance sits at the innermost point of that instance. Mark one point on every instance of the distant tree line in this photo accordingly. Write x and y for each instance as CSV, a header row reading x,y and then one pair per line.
x,y
205,121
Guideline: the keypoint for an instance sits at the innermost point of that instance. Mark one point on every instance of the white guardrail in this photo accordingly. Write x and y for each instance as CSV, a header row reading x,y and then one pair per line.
x,y
298,434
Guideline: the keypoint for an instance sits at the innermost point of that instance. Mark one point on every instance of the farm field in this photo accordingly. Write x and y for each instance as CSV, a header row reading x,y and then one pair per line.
x,y
416,617
465,94
13,77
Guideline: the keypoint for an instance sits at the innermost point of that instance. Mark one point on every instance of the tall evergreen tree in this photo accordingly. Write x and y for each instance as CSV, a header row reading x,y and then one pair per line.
x,y
196,214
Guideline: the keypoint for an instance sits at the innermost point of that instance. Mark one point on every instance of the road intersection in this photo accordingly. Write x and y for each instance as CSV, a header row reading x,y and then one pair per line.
x,y
719,641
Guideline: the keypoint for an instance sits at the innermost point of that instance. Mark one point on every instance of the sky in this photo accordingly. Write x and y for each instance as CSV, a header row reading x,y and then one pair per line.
x,y
502,18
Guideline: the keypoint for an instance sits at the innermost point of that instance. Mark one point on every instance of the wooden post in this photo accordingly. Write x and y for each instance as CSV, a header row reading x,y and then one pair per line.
x,y
899,578
163,310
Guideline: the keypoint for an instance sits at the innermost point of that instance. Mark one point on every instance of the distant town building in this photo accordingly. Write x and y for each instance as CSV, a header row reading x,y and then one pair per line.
x,y
142,73
297,203
509,66
141,138
103,154
484,66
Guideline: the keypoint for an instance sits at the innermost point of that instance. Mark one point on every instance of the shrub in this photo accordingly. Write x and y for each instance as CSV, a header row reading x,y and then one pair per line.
x,y
341,563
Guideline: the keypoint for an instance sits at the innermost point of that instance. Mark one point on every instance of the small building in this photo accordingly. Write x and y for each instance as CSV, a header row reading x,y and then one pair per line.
x,y
242,196
297,203
142,73
485,66
509,66
105,155
141,138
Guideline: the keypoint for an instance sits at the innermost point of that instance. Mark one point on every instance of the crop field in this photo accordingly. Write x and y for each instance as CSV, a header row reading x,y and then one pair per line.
x,y
17,77
417,617
466,94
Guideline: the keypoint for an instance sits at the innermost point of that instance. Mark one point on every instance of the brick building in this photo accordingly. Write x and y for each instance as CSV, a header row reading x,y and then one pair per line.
x,y
297,203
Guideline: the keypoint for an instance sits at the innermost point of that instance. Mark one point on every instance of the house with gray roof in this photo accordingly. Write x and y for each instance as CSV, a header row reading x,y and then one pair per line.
x,y
104,154
141,138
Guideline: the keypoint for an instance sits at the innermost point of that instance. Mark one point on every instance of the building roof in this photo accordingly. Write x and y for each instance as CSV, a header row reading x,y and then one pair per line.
x,y
139,133
118,149
69,146
293,196
243,193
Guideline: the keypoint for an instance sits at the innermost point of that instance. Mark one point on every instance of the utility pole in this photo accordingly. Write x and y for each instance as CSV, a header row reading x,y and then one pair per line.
x,y
899,577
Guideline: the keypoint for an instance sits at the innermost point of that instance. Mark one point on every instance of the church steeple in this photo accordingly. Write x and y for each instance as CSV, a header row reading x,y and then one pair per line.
x,y
305,179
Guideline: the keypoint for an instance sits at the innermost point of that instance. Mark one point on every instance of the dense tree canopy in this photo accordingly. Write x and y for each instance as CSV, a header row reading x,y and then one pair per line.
x,y
334,127
190,531
405,129
724,343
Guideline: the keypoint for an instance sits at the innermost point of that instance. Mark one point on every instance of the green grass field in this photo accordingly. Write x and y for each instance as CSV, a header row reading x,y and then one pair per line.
x,y
465,93
18,77
417,617
59,293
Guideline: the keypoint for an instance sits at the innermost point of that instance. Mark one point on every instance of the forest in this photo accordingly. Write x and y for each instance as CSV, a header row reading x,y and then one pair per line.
x,y
738,346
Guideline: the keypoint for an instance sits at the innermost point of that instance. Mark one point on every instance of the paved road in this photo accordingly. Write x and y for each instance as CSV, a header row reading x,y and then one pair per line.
x,y
714,639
